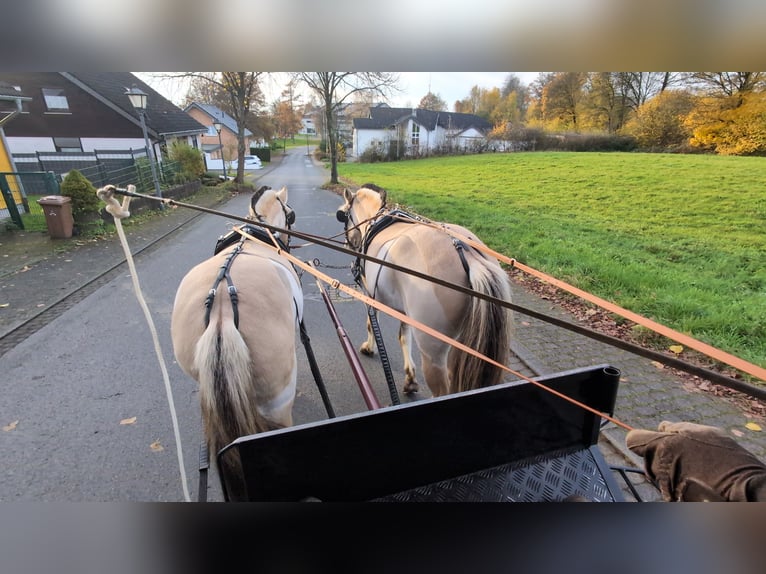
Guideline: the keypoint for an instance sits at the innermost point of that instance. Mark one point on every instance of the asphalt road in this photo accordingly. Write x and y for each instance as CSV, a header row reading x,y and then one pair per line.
x,y
77,378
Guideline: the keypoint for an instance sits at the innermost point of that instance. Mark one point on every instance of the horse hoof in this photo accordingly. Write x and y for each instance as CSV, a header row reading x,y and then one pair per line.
x,y
365,350
410,388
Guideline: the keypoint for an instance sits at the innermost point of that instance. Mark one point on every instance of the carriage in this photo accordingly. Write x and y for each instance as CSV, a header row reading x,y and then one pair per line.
x,y
529,439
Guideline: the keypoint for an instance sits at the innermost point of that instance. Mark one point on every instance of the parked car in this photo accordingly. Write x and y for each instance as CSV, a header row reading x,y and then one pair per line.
x,y
251,162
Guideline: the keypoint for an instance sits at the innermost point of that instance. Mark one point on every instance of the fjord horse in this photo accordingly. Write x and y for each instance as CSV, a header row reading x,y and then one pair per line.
x,y
396,237
233,329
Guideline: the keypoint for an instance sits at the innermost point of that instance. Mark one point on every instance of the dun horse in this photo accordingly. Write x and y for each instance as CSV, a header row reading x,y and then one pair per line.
x,y
373,229
233,328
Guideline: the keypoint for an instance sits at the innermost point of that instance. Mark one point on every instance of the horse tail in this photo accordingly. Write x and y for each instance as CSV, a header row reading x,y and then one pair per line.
x,y
222,360
486,327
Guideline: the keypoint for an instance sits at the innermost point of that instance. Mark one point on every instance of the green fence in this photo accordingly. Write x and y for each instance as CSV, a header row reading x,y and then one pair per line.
x,y
20,192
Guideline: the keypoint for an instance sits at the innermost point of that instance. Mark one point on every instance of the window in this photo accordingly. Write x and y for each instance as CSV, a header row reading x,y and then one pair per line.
x,y
55,100
67,144
415,135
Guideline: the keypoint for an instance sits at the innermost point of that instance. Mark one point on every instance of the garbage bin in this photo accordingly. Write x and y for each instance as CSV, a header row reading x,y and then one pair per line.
x,y
58,215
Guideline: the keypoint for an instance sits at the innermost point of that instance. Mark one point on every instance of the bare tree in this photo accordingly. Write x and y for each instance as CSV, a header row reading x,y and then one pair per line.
x,y
334,88
728,83
638,87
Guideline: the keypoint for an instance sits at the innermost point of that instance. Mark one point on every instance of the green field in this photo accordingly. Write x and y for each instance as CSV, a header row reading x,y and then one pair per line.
x,y
677,238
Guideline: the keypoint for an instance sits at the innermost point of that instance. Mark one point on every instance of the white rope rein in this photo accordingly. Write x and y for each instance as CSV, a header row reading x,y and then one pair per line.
x,y
119,212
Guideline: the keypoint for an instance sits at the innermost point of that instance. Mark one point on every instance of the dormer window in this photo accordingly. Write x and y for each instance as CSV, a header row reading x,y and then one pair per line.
x,y
55,100
415,135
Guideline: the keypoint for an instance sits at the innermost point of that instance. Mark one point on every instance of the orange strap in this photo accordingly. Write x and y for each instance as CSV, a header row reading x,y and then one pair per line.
x,y
686,340
426,329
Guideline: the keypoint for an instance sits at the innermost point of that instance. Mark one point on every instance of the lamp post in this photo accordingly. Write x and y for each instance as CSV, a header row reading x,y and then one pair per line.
x,y
138,99
218,125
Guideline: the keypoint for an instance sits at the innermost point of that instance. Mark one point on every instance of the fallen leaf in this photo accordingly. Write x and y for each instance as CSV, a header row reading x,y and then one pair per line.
x,y
658,364
24,269
129,421
737,432
11,426
41,304
677,349
156,446
753,427
526,323
4,305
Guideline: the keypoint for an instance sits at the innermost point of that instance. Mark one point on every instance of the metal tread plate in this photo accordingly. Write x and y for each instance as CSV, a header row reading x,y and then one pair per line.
x,y
546,478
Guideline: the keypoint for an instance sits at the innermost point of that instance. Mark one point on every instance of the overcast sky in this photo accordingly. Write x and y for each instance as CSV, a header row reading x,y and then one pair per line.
x,y
449,86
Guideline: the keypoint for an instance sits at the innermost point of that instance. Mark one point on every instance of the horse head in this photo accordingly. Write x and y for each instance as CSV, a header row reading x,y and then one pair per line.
x,y
358,211
270,207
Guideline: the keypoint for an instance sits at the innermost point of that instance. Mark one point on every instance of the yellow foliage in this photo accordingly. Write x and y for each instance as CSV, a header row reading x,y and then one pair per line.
x,y
731,126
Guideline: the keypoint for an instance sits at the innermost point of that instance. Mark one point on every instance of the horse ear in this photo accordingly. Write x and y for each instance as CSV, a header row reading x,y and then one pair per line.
x,y
382,197
282,194
348,195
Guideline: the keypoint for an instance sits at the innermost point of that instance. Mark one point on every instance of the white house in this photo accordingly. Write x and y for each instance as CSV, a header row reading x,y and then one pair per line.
x,y
408,132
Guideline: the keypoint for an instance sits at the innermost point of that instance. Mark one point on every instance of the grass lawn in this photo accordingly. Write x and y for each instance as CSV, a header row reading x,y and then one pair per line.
x,y
677,238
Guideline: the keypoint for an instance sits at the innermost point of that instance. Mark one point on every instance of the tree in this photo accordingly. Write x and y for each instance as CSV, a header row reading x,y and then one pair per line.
x,y
639,87
237,93
735,125
287,121
728,83
433,102
561,99
333,89
511,86
660,122
605,104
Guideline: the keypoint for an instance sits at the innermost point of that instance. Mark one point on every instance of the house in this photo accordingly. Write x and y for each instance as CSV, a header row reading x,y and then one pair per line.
x,y
12,100
207,115
82,113
408,132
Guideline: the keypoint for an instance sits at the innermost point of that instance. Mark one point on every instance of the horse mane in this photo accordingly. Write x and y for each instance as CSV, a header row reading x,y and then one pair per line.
x,y
257,195
379,190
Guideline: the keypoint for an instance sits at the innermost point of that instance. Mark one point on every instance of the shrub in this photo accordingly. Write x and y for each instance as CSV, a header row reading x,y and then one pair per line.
x,y
85,202
263,153
190,160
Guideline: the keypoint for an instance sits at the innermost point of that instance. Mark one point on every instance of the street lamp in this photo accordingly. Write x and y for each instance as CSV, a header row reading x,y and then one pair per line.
x,y
138,100
218,125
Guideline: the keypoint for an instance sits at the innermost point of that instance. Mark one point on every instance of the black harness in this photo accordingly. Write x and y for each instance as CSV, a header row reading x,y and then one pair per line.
x,y
223,242
259,233
397,216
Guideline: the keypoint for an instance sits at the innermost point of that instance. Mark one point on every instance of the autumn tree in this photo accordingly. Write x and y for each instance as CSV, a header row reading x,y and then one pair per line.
x,y
735,125
660,123
333,89
514,90
287,120
561,100
432,102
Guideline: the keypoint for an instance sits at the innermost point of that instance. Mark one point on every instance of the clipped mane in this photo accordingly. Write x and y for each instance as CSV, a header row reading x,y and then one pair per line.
x,y
371,187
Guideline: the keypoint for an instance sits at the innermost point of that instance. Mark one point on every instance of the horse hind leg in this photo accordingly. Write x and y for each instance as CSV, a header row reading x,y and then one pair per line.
x,y
368,347
405,341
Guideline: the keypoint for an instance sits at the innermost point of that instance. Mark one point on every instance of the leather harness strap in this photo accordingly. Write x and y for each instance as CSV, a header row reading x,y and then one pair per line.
x,y
234,236
223,273
400,216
